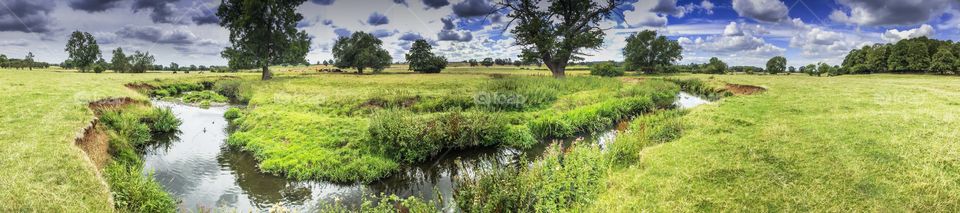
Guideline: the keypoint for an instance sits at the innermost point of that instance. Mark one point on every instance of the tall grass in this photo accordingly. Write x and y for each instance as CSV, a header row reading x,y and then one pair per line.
x,y
560,180
130,129
412,138
696,86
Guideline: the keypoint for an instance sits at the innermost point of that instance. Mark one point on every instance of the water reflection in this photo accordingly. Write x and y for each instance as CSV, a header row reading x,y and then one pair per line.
x,y
198,168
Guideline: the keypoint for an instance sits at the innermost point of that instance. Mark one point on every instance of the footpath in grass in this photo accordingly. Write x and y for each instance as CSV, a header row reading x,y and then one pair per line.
x,y
875,143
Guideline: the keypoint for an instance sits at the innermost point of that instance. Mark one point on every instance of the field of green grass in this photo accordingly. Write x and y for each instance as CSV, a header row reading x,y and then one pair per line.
x,y
865,142
848,143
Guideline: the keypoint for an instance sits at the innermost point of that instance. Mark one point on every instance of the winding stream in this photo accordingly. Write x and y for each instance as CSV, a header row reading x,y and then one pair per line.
x,y
200,169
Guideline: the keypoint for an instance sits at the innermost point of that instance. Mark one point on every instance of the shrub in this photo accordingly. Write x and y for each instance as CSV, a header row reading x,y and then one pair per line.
x,y
204,96
176,89
235,90
162,120
97,68
127,127
606,69
232,114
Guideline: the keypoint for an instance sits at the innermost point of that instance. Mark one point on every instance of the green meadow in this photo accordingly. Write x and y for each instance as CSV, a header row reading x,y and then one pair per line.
x,y
858,142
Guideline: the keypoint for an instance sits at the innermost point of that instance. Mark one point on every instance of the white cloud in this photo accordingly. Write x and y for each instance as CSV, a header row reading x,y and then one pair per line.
x,y
894,35
707,6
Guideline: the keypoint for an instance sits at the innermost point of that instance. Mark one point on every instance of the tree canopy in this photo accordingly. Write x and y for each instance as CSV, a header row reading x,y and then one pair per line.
x,y
916,55
424,61
777,64
263,33
140,62
120,63
716,66
557,34
360,51
646,51
82,50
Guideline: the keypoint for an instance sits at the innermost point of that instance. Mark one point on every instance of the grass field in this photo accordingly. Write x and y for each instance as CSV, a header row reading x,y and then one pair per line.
x,y
849,143
868,142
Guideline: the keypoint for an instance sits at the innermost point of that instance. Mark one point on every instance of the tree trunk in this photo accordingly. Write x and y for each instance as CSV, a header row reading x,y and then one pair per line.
x,y
266,73
359,70
557,69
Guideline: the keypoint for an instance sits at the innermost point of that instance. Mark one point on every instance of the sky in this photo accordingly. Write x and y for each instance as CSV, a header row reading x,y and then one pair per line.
x,y
740,32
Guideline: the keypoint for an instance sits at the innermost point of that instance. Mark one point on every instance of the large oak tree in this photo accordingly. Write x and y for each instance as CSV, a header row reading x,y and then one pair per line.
x,y
83,50
558,33
646,51
264,33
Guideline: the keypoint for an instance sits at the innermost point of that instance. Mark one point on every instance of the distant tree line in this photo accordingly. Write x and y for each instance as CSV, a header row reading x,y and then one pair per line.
x,y
917,55
27,62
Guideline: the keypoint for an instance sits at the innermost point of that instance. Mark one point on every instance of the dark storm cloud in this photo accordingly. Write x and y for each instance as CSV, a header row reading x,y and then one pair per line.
x,y
667,7
322,2
410,36
473,8
158,35
888,13
342,32
26,16
381,33
93,5
206,17
403,2
435,4
449,35
448,24
377,19
162,10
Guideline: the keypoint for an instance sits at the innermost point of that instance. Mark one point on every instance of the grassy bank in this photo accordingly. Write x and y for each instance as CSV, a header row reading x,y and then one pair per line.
x,y
874,143
347,128
41,114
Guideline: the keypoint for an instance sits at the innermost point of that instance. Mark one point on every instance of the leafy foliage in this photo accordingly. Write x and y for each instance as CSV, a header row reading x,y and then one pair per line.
x,y
422,60
264,33
646,51
606,69
140,62
776,65
558,33
360,51
83,50
716,66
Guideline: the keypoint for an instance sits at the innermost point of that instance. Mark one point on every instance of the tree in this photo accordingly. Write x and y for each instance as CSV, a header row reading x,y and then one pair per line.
x,y
83,50
28,60
120,63
777,64
792,69
473,62
140,62
823,68
263,33
174,67
325,63
3,61
422,60
557,34
360,51
943,61
487,62
716,66
646,51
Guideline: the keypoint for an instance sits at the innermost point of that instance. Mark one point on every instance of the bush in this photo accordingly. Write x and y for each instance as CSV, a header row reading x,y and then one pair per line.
x,y
206,96
606,69
162,120
232,114
97,68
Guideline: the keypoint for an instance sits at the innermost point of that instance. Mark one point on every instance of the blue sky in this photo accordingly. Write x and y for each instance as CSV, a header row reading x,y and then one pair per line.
x,y
741,32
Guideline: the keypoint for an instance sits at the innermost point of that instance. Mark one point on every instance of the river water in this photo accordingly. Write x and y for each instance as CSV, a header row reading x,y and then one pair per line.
x,y
200,170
